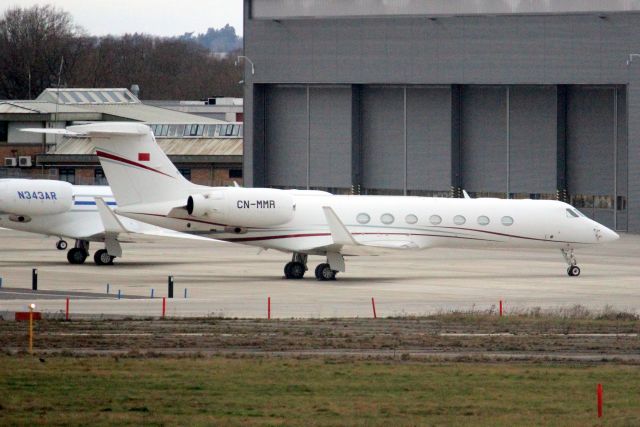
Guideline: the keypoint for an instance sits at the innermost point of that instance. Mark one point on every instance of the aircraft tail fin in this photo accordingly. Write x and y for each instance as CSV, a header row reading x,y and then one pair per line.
x,y
137,169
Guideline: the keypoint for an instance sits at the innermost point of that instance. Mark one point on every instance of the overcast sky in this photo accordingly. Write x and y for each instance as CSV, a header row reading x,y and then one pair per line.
x,y
156,17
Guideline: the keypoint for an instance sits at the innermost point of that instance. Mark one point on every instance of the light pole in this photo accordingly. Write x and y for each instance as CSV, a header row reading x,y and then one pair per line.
x,y
246,58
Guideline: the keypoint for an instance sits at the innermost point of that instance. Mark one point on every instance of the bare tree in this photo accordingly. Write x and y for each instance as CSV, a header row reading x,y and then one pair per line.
x,y
32,43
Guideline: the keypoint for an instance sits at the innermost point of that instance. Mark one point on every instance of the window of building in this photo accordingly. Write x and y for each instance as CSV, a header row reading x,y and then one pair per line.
x,y
68,175
4,131
507,221
236,130
411,219
235,173
483,220
186,172
363,218
459,220
222,130
387,218
99,178
435,219
210,131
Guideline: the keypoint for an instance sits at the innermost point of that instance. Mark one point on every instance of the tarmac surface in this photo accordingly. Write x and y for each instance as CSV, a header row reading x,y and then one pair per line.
x,y
227,280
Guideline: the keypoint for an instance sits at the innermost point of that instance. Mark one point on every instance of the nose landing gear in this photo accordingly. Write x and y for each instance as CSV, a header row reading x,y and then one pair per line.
x,y
573,269
61,245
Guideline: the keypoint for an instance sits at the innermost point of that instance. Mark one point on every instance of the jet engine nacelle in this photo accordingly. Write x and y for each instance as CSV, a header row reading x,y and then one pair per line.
x,y
243,207
31,197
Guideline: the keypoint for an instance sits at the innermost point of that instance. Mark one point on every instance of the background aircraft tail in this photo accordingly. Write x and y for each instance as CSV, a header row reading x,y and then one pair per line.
x,y
137,169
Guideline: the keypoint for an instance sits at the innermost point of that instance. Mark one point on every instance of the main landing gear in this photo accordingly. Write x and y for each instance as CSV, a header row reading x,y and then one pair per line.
x,y
79,253
573,269
297,267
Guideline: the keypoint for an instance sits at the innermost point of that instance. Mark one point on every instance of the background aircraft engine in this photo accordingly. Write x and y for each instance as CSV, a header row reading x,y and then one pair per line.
x,y
243,207
31,197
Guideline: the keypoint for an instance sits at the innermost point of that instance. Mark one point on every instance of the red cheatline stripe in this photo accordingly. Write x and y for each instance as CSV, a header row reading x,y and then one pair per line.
x,y
129,162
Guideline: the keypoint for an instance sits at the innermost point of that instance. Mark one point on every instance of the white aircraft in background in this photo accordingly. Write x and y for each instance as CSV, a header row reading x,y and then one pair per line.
x,y
149,188
80,212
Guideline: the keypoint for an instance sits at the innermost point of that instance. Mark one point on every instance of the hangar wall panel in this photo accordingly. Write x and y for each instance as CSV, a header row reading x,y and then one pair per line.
x,y
429,139
330,131
286,136
484,139
532,139
590,149
590,141
383,158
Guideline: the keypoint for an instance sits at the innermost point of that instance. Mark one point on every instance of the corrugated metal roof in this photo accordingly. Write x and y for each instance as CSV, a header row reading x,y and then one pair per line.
x,y
150,114
38,107
175,147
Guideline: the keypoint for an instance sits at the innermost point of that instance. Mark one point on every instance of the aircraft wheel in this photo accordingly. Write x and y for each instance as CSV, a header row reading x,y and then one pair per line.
x,y
61,245
77,256
574,270
324,272
102,257
294,270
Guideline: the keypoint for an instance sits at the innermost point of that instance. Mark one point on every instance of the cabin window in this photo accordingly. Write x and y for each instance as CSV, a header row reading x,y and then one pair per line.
x,y
572,214
483,220
435,219
387,218
411,219
459,220
507,221
363,218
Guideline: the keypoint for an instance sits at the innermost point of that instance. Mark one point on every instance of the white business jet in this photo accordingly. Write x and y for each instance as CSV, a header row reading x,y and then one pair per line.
x,y
80,212
149,188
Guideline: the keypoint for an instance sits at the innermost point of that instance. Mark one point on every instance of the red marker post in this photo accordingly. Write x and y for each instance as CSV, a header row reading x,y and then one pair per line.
x,y
500,308
269,308
66,314
373,305
599,392
164,306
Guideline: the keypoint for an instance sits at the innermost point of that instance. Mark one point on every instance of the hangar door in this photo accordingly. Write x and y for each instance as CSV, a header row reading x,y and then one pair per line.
x,y
308,137
596,153
509,141
406,139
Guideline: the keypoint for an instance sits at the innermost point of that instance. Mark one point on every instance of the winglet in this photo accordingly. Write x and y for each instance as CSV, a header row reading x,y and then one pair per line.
x,y
465,194
339,233
109,219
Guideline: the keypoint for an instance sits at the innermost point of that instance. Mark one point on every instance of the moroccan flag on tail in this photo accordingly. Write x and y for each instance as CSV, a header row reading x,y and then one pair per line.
x,y
144,157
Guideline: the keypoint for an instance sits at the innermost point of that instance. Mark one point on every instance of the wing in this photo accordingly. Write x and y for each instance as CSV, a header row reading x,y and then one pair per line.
x,y
345,243
129,230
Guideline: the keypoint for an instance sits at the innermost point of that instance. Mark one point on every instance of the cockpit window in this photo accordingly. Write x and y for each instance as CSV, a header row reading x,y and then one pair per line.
x,y
572,214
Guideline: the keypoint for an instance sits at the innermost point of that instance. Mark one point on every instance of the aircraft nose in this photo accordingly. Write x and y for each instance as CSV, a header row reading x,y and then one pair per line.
x,y
609,235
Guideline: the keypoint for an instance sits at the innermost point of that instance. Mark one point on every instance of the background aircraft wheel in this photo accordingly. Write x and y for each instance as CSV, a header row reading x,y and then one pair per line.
x,y
76,256
287,270
574,270
296,270
324,272
61,245
102,257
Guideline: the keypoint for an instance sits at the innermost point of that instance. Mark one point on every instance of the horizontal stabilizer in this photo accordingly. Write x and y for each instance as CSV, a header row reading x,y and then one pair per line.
x,y
52,131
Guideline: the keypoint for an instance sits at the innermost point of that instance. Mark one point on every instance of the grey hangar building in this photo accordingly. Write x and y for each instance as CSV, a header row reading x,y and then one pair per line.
x,y
501,98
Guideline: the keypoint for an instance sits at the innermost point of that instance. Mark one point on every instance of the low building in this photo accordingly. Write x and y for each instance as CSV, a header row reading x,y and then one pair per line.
x,y
206,150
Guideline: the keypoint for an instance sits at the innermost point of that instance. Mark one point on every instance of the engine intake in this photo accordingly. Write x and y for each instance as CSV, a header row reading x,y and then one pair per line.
x,y
243,207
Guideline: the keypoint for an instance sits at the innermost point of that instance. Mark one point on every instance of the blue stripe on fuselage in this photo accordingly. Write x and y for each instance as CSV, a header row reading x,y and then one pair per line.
x,y
88,203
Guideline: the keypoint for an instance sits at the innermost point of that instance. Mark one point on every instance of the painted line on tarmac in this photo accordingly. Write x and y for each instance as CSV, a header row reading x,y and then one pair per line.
x,y
35,295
